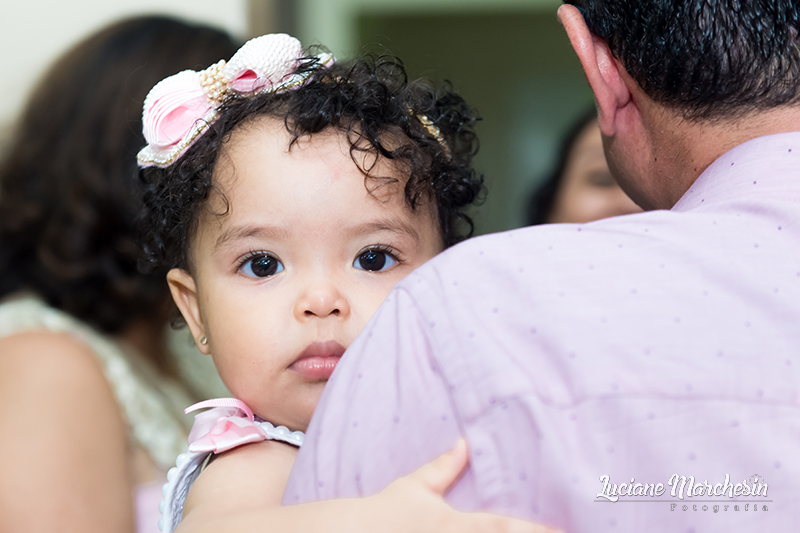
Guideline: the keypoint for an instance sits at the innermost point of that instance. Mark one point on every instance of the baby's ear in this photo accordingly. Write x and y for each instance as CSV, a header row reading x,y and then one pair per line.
x,y
184,292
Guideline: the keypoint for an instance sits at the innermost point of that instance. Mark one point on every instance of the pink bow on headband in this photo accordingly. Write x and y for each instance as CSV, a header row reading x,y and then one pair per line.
x,y
181,108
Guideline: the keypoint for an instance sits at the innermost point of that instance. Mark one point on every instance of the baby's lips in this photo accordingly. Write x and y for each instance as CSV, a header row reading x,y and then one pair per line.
x,y
228,433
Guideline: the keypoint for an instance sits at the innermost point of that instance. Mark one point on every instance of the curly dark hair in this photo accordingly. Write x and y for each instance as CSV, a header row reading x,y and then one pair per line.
x,y
709,59
68,185
379,111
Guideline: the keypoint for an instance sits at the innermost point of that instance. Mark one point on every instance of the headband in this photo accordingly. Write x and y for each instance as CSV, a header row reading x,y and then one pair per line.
x,y
180,108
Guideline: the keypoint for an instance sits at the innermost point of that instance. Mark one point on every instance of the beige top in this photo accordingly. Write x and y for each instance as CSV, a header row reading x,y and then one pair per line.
x,y
152,406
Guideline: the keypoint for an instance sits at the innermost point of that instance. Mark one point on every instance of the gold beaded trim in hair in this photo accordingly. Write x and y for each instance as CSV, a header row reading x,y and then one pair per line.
x,y
431,128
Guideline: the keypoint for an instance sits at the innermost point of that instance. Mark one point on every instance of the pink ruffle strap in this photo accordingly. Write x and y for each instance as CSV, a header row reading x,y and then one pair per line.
x,y
230,423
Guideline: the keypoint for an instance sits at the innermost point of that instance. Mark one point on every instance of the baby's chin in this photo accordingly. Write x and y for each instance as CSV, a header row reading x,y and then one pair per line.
x,y
294,413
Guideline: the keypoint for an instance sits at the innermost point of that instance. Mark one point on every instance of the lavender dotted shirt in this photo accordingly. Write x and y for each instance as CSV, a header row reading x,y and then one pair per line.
x,y
637,348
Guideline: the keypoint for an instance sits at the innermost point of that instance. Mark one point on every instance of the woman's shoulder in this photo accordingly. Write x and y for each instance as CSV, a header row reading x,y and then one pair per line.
x,y
56,339
62,414
55,376
32,358
51,384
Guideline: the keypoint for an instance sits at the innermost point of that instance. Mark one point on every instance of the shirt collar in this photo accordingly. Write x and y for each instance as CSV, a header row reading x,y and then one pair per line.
x,y
765,167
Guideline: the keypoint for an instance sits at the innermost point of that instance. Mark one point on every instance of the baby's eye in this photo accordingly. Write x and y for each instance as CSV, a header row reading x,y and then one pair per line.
x,y
374,260
261,266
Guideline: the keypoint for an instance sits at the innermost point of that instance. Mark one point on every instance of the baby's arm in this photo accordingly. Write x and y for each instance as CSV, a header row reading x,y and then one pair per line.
x,y
241,492
249,477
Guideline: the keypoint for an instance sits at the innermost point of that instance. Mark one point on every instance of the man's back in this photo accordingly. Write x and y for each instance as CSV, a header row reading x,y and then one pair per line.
x,y
636,348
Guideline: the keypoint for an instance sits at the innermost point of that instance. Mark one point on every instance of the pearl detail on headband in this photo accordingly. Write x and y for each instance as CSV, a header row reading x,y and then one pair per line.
x,y
182,107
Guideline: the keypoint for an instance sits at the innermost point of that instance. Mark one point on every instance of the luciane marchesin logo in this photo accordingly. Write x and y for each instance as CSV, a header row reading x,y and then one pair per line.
x,y
752,490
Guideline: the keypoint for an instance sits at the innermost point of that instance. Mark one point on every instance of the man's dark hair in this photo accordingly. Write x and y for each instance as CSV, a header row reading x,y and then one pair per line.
x,y
708,59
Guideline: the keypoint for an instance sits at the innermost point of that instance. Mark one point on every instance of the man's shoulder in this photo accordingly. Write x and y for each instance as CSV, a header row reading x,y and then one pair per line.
x,y
561,246
657,255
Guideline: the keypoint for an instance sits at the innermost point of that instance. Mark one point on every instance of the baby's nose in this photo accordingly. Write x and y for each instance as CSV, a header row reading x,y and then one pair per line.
x,y
321,301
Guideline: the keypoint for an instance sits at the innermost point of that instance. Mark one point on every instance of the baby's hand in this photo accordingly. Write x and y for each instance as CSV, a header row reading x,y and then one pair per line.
x,y
416,502
228,497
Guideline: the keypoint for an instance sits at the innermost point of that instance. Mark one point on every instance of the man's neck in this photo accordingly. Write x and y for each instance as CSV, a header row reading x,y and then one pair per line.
x,y
685,149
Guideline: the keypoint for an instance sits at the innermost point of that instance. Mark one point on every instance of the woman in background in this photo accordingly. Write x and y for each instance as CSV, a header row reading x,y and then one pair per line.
x,y
582,188
90,404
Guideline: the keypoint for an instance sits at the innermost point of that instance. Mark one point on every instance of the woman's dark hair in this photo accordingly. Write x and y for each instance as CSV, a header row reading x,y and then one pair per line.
x,y
543,198
709,59
369,100
68,183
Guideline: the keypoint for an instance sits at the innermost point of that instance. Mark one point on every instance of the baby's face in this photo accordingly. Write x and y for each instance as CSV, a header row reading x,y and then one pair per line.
x,y
284,281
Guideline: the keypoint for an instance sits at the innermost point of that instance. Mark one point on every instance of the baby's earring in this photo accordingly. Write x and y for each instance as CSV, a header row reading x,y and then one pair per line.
x,y
204,340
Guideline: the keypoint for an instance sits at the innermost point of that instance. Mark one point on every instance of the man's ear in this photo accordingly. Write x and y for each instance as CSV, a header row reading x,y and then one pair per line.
x,y
601,68
184,292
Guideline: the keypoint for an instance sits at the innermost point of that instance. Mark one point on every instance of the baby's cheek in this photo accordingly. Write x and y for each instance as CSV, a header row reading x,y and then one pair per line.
x,y
242,379
370,301
226,373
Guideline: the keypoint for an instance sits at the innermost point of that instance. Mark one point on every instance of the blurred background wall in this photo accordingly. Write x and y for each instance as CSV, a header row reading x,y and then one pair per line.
x,y
508,58
34,32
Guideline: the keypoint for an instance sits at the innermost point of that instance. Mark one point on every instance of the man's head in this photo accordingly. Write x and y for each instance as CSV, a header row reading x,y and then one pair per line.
x,y
682,65
706,59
